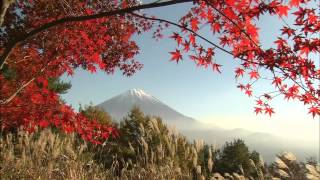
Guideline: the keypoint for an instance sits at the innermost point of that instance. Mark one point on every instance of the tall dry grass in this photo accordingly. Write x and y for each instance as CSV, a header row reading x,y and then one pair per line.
x,y
286,167
147,150
46,155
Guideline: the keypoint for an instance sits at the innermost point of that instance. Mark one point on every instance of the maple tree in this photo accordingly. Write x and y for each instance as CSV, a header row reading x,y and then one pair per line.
x,y
43,39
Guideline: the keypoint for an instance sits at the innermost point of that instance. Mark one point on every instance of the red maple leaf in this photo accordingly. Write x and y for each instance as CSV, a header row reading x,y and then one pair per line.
x,y
192,39
186,46
216,67
194,24
305,50
248,92
239,72
295,3
294,89
254,74
288,31
224,41
277,81
248,86
314,111
216,27
177,37
282,10
308,98
241,87
257,110
259,102
268,110
176,56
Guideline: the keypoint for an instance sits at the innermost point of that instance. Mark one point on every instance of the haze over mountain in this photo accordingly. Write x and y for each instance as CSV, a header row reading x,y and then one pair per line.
x,y
266,144
119,106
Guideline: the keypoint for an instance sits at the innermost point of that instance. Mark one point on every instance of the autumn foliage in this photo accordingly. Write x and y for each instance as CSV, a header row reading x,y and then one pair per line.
x,y
290,64
102,43
43,39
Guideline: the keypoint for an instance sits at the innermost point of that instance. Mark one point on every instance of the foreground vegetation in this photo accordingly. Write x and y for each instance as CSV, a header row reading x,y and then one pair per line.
x,y
146,149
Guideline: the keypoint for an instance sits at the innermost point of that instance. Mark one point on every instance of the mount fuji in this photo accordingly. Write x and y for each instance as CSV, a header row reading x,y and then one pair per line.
x,y
119,106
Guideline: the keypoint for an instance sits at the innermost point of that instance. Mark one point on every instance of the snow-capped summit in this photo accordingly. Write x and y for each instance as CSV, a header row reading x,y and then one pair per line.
x,y
138,93
135,95
119,106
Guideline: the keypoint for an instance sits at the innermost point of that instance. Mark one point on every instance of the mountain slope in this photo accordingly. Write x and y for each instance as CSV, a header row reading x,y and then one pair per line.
x,y
119,106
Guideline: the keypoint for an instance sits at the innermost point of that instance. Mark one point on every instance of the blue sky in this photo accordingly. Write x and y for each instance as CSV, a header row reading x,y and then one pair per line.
x,y
196,92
